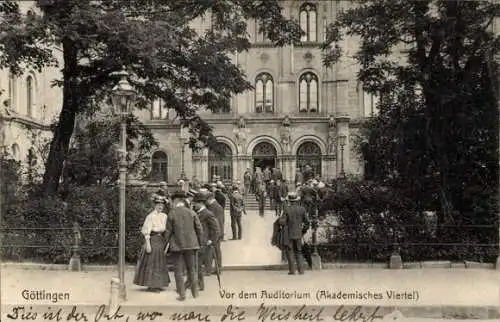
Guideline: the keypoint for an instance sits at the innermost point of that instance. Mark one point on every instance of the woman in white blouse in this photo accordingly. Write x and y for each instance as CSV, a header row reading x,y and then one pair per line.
x,y
151,270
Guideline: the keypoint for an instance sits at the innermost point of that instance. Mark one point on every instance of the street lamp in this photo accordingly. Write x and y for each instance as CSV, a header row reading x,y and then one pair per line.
x,y
183,138
122,96
342,142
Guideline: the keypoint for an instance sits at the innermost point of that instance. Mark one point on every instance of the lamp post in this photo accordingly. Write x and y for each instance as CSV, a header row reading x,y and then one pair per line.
x,y
183,138
122,96
342,142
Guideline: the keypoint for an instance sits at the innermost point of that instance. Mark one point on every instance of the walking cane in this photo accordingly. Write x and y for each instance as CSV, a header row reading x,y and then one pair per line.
x,y
217,270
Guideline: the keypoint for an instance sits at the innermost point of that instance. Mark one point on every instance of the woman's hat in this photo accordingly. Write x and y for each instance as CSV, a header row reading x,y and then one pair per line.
x,y
292,196
159,199
179,194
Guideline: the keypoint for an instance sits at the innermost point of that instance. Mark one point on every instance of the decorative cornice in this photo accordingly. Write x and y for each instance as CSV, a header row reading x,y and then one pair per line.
x,y
26,121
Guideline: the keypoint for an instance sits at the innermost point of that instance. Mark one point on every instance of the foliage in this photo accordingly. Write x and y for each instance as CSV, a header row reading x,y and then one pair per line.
x,y
168,59
436,138
40,228
94,157
373,218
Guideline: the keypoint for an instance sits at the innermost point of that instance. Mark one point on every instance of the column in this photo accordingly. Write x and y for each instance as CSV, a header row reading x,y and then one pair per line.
x,y
342,129
236,174
204,166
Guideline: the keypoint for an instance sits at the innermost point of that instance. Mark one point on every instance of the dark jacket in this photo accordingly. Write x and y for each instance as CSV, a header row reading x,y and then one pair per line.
x,y
280,235
295,219
184,230
210,226
220,197
308,195
237,205
218,211
280,191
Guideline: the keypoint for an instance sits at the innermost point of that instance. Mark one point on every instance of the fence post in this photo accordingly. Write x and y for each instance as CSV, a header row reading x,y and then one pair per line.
x,y
75,263
395,262
315,258
113,295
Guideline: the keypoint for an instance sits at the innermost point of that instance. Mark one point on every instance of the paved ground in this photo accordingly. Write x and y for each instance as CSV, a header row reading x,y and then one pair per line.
x,y
255,246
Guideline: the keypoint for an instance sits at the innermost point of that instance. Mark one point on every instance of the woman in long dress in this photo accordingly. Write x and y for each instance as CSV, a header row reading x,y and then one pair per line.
x,y
151,270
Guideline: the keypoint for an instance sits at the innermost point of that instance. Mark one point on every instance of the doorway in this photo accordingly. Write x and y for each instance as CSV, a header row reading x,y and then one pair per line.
x,y
263,162
264,155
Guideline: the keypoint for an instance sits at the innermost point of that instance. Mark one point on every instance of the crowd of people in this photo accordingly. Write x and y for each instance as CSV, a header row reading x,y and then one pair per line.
x,y
189,225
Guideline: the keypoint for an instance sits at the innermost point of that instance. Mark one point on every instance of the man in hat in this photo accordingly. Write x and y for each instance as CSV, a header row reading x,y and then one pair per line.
x,y
237,210
184,234
210,234
218,211
280,195
294,219
190,195
219,192
220,197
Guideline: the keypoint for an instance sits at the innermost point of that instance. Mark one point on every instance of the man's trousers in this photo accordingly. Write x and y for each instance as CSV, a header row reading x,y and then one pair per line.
x,y
185,259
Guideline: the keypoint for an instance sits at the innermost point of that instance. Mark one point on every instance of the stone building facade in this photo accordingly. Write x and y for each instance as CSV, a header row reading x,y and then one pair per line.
x,y
295,115
28,107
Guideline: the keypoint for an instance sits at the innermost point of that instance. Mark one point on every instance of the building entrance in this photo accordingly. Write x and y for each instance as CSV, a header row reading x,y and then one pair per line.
x,y
264,155
264,162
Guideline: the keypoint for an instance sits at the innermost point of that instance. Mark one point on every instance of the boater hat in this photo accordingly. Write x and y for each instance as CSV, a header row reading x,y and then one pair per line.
x,y
159,199
192,193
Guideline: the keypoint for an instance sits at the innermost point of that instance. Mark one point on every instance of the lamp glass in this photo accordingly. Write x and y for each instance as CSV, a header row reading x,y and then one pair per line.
x,y
342,140
122,97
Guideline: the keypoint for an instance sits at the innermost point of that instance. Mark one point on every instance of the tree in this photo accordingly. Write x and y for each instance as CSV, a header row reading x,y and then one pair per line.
x,y
167,58
438,122
94,156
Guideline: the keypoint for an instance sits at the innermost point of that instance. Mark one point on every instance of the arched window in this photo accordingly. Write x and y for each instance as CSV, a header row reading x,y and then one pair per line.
x,y
308,22
264,93
12,92
309,153
29,96
309,93
159,167
15,151
370,104
220,162
158,110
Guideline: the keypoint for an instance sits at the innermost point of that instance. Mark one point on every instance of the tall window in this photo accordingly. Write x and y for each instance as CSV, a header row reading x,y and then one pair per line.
x,y
220,162
260,36
158,110
308,23
12,92
159,167
308,92
264,93
325,28
29,95
309,153
370,102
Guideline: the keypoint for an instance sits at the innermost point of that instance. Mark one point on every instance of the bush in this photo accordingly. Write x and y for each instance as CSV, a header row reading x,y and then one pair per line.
x,y
46,225
373,218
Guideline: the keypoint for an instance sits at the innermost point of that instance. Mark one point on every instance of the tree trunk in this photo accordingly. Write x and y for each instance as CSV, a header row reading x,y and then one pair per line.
x,y
64,129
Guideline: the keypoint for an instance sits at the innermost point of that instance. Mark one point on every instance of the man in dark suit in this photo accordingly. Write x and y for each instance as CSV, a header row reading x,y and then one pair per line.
x,y
280,194
218,211
183,234
211,233
295,220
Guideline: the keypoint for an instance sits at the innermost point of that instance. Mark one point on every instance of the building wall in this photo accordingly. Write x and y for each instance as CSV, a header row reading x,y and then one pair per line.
x,y
20,129
340,99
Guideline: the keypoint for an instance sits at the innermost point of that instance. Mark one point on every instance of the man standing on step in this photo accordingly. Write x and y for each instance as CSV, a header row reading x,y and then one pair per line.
x,y
247,181
183,234
294,220
218,211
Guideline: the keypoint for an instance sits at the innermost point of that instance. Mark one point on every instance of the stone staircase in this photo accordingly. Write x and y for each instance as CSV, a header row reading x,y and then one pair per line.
x,y
250,202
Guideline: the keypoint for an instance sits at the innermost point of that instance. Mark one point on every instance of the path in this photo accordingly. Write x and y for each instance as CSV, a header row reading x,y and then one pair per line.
x,y
254,249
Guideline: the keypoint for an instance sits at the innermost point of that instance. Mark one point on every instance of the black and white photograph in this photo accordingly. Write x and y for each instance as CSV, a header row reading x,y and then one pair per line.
x,y
249,160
